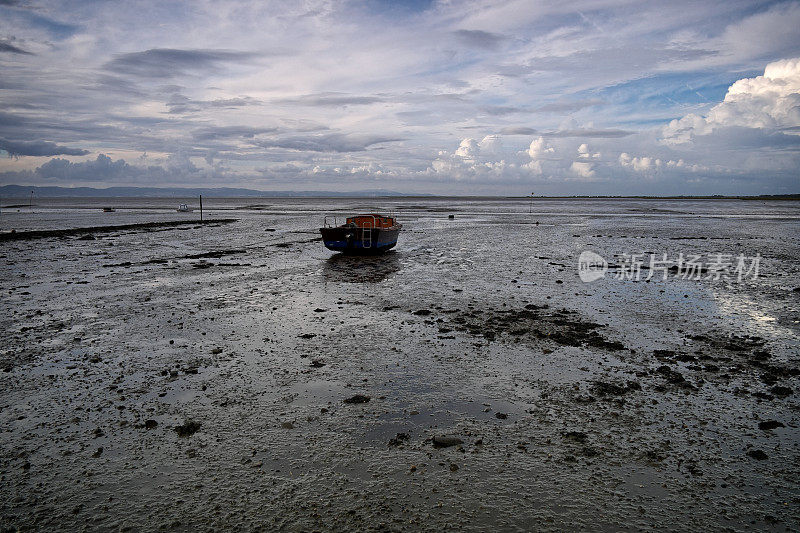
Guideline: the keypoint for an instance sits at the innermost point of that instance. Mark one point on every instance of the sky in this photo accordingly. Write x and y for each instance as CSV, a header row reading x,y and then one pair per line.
x,y
506,97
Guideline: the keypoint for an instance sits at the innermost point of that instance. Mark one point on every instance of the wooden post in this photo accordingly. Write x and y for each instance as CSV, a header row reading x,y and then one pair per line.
x,y
201,208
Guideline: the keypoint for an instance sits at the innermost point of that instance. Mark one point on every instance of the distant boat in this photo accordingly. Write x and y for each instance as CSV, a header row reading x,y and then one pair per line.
x,y
183,208
108,210
363,234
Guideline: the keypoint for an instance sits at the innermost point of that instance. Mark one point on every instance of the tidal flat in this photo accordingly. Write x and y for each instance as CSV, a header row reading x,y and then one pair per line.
x,y
235,374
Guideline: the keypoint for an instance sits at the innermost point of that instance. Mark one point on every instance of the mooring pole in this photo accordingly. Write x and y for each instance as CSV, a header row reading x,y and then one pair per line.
x,y
201,208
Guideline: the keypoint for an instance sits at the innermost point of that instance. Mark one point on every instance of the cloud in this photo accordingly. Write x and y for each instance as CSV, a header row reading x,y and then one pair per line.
x,y
208,133
105,169
180,104
6,46
330,100
770,103
37,148
101,169
434,97
585,153
479,39
582,169
334,142
517,130
499,110
167,63
540,149
590,132
566,106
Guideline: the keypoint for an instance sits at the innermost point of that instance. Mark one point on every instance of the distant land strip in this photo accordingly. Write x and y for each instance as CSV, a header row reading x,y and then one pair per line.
x,y
71,232
48,191
709,197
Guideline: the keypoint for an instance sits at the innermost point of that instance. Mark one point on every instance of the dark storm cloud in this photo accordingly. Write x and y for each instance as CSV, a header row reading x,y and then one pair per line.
x,y
101,169
517,130
334,142
163,63
5,46
37,148
105,169
479,39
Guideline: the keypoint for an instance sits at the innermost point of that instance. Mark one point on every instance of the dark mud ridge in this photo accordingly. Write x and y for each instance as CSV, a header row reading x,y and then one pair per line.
x,y
72,232
533,324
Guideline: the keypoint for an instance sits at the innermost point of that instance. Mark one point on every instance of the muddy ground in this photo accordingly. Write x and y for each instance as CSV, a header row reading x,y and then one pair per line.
x,y
240,376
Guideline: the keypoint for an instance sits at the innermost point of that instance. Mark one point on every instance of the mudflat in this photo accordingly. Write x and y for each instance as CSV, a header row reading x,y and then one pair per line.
x,y
237,375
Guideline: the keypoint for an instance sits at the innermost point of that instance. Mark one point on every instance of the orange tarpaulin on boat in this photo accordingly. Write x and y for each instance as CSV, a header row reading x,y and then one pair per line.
x,y
371,221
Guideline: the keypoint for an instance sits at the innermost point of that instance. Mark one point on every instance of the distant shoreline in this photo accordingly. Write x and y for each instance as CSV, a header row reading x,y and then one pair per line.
x,y
711,197
22,192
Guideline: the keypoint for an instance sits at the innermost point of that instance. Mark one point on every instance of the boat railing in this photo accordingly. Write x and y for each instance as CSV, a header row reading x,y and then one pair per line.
x,y
327,224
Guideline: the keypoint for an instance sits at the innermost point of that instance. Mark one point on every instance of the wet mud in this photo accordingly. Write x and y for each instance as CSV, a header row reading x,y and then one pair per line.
x,y
87,232
223,377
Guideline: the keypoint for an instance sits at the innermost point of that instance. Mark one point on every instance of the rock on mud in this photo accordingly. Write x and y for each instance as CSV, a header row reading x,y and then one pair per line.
x,y
189,428
441,441
758,455
358,398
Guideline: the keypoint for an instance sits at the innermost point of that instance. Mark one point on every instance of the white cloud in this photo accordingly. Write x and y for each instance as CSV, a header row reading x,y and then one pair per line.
x,y
331,91
769,102
585,153
468,149
583,169
539,149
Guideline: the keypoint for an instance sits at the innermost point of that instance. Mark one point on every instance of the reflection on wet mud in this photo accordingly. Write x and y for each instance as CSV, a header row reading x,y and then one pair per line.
x,y
360,269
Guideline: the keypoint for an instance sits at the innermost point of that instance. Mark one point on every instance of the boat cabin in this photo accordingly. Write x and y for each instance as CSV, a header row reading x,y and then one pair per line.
x,y
371,221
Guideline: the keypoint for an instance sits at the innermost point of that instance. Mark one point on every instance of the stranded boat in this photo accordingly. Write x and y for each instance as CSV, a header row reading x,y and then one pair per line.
x,y
371,233
108,210
183,208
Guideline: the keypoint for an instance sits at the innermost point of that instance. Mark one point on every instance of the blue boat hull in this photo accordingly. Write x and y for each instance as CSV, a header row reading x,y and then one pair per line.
x,y
359,240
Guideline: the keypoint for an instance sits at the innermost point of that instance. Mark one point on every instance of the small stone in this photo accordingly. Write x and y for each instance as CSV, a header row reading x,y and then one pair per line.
x,y
501,416
453,467
98,453
358,398
189,428
150,424
757,454
781,392
441,441
287,425
770,424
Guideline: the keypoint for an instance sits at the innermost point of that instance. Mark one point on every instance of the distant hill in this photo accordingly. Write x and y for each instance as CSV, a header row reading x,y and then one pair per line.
x,y
22,191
